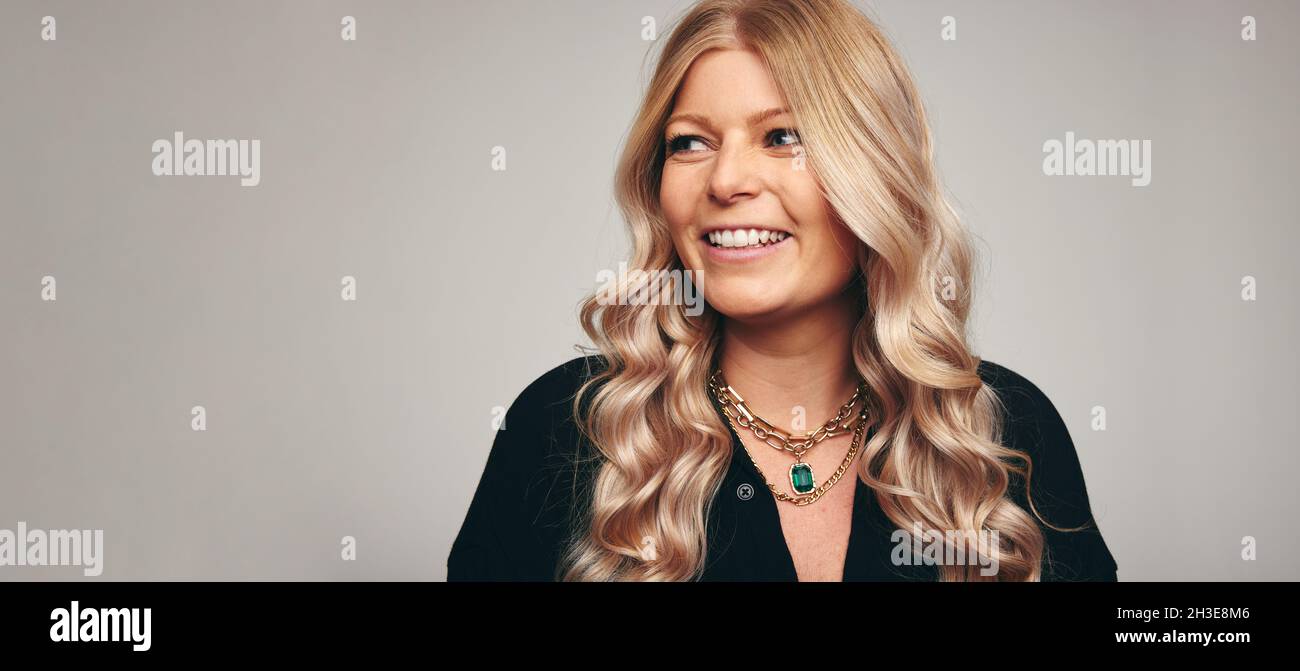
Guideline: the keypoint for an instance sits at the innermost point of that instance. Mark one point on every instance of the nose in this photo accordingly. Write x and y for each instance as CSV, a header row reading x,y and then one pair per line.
x,y
735,175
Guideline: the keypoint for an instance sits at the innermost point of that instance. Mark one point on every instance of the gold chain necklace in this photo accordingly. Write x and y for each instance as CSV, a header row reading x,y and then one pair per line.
x,y
802,480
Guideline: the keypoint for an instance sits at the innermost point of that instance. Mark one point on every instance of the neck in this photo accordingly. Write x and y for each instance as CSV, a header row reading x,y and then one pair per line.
x,y
804,362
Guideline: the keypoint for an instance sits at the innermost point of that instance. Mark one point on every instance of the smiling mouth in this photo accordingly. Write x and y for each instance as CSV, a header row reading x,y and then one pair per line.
x,y
743,238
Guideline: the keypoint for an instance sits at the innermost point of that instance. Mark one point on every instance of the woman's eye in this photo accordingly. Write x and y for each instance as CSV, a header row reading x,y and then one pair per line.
x,y
680,143
783,137
791,137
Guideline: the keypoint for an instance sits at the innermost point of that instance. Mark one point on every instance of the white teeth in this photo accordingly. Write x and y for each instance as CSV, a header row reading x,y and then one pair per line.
x,y
752,237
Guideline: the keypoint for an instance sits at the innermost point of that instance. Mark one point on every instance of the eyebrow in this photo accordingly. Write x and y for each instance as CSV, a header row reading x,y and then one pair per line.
x,y
753,120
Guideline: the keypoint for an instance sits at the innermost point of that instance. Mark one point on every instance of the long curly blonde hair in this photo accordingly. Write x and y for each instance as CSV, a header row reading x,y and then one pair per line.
x,y
935,457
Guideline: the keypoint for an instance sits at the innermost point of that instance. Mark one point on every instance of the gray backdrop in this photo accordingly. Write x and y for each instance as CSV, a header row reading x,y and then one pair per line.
x,y
372,418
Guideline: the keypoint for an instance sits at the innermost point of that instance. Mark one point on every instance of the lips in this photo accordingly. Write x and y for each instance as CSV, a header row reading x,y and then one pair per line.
x,y
776,241
739,237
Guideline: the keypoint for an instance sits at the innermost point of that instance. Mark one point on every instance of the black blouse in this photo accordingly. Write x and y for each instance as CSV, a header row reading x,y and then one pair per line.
x,y
519,516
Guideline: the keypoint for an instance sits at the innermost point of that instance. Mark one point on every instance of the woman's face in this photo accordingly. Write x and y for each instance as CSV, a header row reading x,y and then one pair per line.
x,y
731,178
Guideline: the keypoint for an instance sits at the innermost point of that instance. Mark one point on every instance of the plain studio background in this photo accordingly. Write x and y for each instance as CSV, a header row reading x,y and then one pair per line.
x,y
372,418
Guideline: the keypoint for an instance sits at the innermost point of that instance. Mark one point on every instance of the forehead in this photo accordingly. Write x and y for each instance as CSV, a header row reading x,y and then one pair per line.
x,y
727,84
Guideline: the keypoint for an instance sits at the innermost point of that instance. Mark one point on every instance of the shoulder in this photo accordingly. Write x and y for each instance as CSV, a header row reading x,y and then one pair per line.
x,y
548,399
540,444
1033,426
540,431
1015,390
1031,422
521,511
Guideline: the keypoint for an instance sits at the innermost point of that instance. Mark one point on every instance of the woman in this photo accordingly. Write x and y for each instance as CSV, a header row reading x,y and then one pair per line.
x,y
782,156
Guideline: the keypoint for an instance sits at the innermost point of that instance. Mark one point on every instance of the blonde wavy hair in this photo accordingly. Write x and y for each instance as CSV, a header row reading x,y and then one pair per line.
x,y
935,457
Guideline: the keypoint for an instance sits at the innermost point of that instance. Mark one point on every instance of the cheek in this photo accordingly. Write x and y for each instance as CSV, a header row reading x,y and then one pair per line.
x,y
677,196
679,193
805,203
833,245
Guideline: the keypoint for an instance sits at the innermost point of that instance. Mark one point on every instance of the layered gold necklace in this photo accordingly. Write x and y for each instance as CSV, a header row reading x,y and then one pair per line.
x,y
802,480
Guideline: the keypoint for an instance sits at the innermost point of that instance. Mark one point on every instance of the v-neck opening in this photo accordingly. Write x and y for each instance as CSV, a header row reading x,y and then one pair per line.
x,y
861,496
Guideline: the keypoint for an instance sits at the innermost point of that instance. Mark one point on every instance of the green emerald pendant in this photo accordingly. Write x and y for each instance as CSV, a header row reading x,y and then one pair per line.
x,y
801,478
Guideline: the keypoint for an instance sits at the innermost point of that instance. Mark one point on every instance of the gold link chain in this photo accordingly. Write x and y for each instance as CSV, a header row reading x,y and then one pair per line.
x,y
844,421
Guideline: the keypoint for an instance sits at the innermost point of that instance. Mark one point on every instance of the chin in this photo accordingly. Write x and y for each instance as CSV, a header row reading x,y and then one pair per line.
x,y
749,307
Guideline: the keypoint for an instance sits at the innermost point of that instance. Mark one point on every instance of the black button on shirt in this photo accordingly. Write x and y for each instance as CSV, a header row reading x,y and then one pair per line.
x,y
539,464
